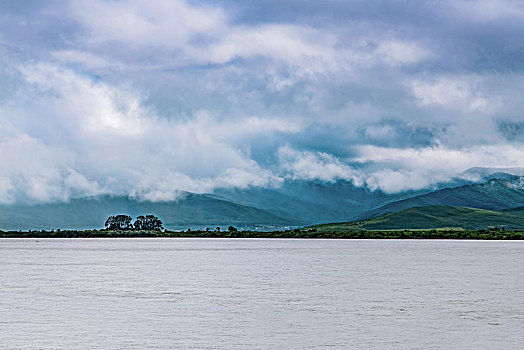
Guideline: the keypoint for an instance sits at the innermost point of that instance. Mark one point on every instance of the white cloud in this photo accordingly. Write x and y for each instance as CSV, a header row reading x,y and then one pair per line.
x,y
172,33
204,126
74,136
418,168
173,95
393,181
30,169
187,34
6,191
462,92
87,59
293,44
395,170
89,107
397,52
315,166
488,10
144,23
380,132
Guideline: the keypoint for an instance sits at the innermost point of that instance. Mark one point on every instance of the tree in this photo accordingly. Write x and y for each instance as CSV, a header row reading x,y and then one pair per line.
x,y
148,222
232,229
119,222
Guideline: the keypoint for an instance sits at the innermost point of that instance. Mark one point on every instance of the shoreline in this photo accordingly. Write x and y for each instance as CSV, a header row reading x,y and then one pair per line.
x,y
491,234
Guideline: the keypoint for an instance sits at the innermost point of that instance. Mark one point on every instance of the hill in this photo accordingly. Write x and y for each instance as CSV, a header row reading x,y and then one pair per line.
x,y
495,194
313,201
192,210
514,209
483,174
435,217
294,203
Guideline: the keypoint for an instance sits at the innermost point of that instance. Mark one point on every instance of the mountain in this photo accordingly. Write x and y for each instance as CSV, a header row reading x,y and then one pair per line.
x,y
294,203
495,194
480,174
192,210
312,201
435,217
514,209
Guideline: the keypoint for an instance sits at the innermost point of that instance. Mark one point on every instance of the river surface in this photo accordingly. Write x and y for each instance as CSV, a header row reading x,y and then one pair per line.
x,y
260,294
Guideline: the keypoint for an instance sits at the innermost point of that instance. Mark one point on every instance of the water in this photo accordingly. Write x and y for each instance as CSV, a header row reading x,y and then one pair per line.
x,y
260,294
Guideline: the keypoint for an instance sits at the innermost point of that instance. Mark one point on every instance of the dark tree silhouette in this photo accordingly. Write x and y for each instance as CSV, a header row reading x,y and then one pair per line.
x,y
232,229
148,222
119,222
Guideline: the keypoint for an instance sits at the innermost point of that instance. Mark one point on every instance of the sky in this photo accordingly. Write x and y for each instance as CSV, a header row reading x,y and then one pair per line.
x,y
151,98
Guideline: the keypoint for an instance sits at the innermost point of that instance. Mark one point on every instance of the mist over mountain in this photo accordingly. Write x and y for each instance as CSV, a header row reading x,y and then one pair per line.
x,y
495,194
482,174
313,201
190,211
294,203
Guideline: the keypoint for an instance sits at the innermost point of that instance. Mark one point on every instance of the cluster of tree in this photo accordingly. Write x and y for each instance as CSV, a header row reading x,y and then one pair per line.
x,y
124,222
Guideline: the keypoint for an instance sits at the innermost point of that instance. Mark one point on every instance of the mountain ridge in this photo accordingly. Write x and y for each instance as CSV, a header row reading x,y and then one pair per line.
x,y
91,212
435,217
295,203
495,194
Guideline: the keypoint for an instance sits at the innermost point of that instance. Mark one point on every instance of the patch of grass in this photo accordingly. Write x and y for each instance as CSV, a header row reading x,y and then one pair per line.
x,y
439,217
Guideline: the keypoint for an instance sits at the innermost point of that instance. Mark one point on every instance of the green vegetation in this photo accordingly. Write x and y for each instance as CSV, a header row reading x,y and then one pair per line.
x,y
495,194
123,222
433,222
87,213
295,203
435,217
491,234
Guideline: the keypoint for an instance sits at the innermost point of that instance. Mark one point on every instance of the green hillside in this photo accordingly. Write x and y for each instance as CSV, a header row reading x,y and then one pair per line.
x,y
313,202
435,217
192,210
495,194
295,203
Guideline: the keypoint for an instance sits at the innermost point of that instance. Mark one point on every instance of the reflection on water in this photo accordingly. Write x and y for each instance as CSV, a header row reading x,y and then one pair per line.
x,y
260,294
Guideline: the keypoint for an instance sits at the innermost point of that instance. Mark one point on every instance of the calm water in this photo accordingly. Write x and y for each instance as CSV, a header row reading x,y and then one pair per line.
x,y
260,294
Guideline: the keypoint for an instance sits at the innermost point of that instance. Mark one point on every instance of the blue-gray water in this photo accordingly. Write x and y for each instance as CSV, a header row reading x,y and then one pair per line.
x,y
260,294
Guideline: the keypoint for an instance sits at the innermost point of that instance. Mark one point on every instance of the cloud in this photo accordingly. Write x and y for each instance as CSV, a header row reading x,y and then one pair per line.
x,y
315,166
93,137
178,33
394,170
188,33
489,10
154,98
32,170
418,168
397,52
137,23
86,59
462,92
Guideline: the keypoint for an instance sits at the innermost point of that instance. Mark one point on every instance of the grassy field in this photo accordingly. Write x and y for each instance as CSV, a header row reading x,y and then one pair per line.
x,y
435,217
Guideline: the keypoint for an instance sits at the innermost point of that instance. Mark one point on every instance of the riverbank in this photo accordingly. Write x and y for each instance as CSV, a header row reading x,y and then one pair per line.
x,y
491,234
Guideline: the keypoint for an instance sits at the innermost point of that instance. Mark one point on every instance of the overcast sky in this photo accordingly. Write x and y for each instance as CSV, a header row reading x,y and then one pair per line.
x,y
148,98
